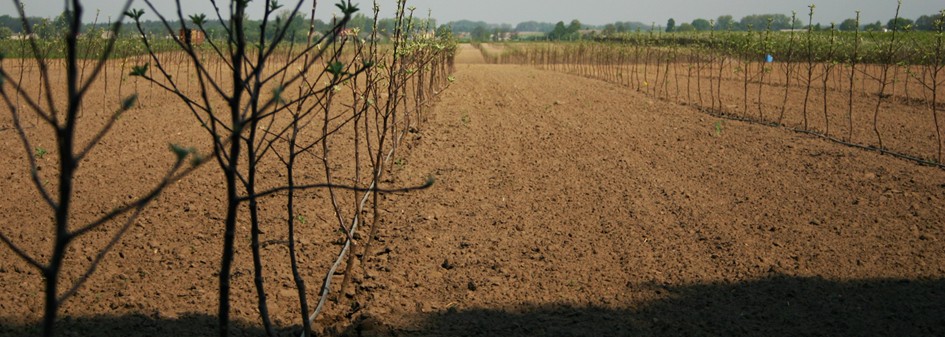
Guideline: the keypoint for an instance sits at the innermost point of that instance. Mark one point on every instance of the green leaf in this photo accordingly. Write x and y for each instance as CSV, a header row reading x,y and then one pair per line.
x,y
135,14
198,19
347,9
336,68
39,152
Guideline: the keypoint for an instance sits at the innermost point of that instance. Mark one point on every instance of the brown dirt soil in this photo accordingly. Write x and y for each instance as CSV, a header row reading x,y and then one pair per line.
x,y
906,124
569,206
563,206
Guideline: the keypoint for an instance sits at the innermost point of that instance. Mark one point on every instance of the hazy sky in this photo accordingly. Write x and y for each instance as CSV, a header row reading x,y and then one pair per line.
x,y
514,11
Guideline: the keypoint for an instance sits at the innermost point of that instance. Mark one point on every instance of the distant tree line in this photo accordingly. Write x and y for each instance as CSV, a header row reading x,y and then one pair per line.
x,y
783,22
570,32
476,30
621,27
483,31
297,31
50,28
10,25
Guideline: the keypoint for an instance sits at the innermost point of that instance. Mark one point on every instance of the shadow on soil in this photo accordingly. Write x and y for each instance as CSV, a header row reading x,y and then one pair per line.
x,y
135,325
776,306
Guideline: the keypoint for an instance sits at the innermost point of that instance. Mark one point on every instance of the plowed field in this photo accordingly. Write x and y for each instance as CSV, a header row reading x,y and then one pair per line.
x,y
563,206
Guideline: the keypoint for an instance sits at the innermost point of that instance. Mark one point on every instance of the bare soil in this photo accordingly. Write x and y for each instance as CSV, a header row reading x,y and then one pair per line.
x,y
563,206
569,206
904,120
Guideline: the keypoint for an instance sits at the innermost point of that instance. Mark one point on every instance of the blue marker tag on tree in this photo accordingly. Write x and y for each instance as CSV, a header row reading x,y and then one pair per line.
x,y
769,58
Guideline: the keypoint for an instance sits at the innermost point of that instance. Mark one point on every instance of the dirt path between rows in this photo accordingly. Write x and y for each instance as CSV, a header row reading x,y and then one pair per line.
x,y
568,206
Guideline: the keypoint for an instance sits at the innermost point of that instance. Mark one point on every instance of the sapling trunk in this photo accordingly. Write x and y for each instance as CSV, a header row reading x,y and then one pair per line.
x,y
854,59
763,70
933,64
699,66
828,66
810,63
747,56
71,153
891,49
666,62
788,68
689,65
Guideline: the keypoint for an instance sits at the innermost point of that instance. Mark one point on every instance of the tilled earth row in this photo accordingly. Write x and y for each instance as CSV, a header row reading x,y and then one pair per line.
x,y
569,206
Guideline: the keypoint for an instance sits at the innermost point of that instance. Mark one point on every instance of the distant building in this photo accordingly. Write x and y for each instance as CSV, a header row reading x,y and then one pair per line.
x,y
501,36
21,36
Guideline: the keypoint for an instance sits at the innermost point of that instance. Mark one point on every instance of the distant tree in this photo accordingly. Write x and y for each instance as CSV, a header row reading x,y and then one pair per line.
x,y
760,21
685,27
569,32
16,25
297,29
621,27
10,22
534,26
574,27
926,22
610,29
480,33
5,33
558,32
874,27
899,24
357,21
461,26
725,22
701,24
670,25
848,25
